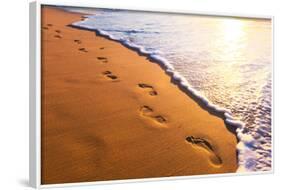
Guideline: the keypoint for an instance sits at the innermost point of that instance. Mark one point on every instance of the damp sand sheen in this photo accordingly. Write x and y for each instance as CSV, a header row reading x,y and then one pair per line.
x,y
109,113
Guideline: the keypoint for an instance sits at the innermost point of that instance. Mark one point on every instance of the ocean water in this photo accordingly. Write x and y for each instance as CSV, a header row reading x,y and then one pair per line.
x,y
226,62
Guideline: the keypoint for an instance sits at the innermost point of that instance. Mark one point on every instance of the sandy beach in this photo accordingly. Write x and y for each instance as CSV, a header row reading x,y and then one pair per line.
x,y
109,113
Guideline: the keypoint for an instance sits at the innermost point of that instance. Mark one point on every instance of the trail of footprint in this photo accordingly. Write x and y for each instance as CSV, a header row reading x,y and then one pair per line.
x,y
204,144
102,59
151,91
83,50
109,75
148,112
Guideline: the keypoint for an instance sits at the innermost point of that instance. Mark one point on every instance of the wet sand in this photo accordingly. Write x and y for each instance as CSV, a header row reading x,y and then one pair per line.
x,y
109,113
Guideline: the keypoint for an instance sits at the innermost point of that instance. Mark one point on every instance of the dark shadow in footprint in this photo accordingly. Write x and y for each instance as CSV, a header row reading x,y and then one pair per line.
x,y
57,36
77,41
83,18
142,85
83,50
101,48
151,92
160,119
106,72
45,27
109,75
102,59
58,31
50,25
113,77
145,110
204,144
148,112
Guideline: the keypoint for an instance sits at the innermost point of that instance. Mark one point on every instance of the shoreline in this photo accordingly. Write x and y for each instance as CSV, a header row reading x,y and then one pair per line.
x,y
210,150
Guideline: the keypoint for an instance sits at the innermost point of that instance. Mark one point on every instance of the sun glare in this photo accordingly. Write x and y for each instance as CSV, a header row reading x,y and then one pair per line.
x,y
232,29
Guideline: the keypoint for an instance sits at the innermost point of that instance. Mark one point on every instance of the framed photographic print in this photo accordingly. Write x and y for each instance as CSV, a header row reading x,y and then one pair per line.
x,y
122,95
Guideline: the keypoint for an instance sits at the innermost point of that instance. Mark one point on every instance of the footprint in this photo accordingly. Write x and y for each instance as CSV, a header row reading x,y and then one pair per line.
x,y
50,25
102,59
148,112
83,18
57,36
78,41
160,119
83,50
102,48
45,27
204,144
151,91
58,31
109,75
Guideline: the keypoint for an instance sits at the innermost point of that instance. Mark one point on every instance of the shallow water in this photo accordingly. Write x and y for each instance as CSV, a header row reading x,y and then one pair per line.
x,y
225,61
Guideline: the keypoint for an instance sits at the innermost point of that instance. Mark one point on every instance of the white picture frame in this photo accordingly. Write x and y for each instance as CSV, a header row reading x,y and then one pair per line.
x,y
35,92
